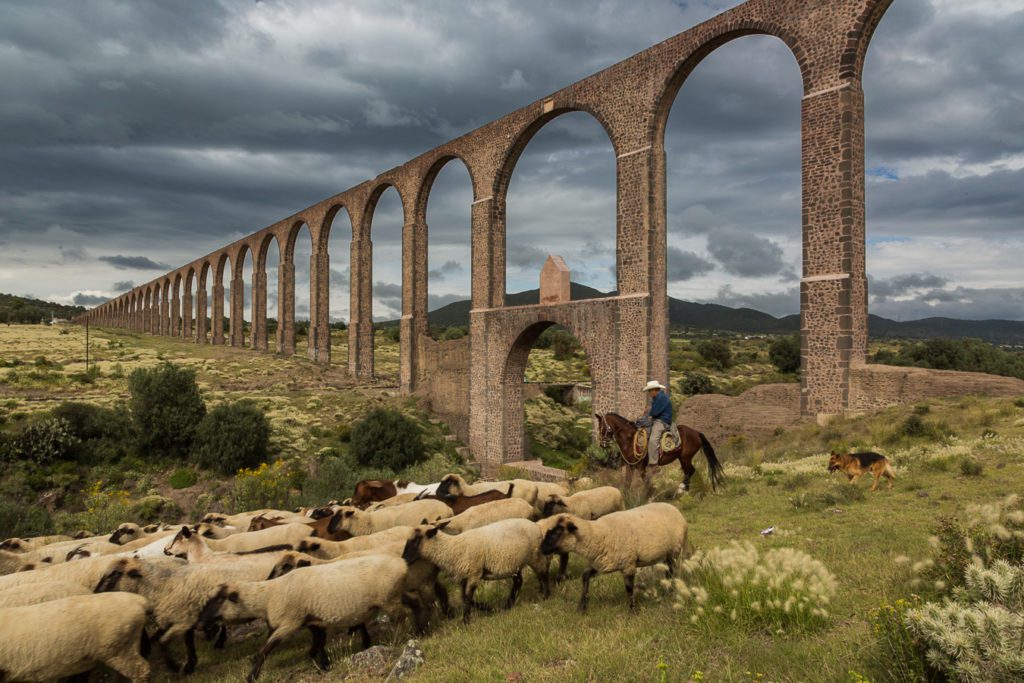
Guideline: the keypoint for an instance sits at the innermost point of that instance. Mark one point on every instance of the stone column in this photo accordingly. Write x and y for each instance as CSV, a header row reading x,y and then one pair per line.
x,y
319,344
165,311
175,314
186,316
360,329
237,324
414,320
488,288
286,308
202,322
217,314
259,310
833,290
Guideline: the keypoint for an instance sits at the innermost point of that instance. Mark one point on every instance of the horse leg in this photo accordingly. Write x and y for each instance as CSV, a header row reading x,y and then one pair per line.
x,y
686,464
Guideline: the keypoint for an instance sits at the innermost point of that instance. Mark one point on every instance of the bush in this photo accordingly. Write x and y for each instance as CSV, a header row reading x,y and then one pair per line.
x,y
784,354
43,442
716,352
913,426
23,520
166,408
696,383
971,355
182,479
969,467
267,486
104,434
386,438
563,345
896,655
454,333
156,509
231,437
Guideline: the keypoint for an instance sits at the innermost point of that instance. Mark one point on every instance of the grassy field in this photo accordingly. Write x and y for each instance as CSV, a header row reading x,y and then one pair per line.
x,y
780,481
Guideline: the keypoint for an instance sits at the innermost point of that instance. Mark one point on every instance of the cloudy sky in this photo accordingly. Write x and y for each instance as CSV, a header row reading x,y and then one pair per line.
x,y
138,135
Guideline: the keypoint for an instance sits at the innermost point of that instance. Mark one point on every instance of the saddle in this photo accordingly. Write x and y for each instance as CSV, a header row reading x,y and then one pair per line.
x,y
670,440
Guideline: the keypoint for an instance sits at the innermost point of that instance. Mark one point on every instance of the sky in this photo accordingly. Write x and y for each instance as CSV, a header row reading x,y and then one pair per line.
x,y
138,135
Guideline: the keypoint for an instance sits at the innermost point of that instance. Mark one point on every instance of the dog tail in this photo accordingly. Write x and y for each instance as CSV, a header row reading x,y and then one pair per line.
x,y
889,472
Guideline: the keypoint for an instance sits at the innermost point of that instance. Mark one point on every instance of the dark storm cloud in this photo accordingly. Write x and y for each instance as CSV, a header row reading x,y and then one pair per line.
x,y
133,263
745,254
83,299
122,285
903,284
685,265
447,268
71,254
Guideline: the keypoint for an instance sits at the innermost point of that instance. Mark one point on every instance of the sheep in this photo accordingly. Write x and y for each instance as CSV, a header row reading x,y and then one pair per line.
x,y
361,523
215,531
35,593
320,526
286,534
24,545
546,489
131,532
375,490
460,504
242,519
620,542
488,513
327,550
455,485
194,548
589,504
177,592
84,572
16,562
70,636
339,594
398,499
496,551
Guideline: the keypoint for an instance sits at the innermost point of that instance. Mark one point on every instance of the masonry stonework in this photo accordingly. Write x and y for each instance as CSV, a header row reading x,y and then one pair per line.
x,y
626,336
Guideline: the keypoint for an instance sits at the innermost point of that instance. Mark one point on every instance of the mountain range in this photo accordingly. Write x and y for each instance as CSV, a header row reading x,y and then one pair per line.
x,y
686,315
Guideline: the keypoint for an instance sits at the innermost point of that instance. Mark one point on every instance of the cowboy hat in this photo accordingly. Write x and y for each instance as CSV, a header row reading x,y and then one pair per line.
x,y
654,384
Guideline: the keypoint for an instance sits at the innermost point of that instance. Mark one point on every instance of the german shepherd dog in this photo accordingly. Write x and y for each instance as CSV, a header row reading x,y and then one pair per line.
x,y
856,464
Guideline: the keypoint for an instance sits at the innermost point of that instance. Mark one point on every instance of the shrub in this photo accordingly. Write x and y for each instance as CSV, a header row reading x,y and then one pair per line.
x,y
46,441
696,383
784,354
969,467
896,655
166,408
156,509
182,479
231,437
386,438
104,511
21,520
104,434
392,333
563,345
267,486
913,426
454,333
782,589
716,352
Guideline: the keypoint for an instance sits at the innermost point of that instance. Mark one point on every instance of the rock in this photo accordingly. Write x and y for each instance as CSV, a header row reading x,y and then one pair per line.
x,y
372,662
922,494
410,660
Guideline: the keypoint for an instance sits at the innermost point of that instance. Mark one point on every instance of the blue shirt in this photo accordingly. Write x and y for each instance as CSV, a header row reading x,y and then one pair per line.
x,y
661,408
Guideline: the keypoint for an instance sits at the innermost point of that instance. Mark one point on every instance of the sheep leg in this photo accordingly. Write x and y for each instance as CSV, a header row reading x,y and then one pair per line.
x,y
261,656
563,567
130,665
82,677
419,612
670,560
587,575
442,596
318,650
517,584
361,630
190,649
630,580
467,599
222,638
165,650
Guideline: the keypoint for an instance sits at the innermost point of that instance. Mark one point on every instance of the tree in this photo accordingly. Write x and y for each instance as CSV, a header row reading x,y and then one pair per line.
x,y
166,408
232,436
716,352
696,383
386,438
784,354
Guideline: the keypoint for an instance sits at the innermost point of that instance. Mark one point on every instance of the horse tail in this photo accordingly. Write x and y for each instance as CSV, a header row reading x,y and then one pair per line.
x,y
714,467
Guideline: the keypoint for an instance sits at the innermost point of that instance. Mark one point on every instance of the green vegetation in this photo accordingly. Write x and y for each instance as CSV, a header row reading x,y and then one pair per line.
x,y
167,408
971,355
386,438
716,352
19,309
696,383
784,354
231,437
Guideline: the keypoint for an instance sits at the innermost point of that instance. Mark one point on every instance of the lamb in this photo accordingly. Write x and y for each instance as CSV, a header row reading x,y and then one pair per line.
x,y
488,513
620,542
71,635
35,593
589,504
286,534
177,592
455,485
338,594
496,551
360,523
328,550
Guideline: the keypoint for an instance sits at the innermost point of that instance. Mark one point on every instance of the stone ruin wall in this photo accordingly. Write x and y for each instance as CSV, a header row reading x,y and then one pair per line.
x,y
879,386
443,381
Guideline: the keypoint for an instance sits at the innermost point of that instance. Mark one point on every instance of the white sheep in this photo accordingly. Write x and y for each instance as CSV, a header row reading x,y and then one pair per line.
x,y
242,520
273,537
495,551
86,572
619,542
455,485
344,594
177,592
24,545
35,593
546,489
589,504
488,513
130,532
361,523
325,549
399,499
70,636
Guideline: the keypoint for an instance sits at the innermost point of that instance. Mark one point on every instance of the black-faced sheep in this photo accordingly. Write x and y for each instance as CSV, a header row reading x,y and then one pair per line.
x,y
35,593
489,513
589,504
619,542
361,523
72,635
455,485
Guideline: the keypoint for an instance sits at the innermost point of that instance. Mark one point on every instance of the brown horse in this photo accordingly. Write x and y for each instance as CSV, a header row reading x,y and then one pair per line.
x,y
614,426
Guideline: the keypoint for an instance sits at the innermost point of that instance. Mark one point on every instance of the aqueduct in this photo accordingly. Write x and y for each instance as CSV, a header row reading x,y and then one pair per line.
x,y
625,335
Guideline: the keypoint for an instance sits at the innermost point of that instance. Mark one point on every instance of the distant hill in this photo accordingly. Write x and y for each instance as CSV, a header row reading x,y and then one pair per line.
x,y
19,309
689,315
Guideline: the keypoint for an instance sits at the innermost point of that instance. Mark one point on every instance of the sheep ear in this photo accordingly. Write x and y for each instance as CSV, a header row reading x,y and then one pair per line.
x,y
303,563
134,574
185,533
424,521
233,596
349,513
571,528
441,525
314,546
432,531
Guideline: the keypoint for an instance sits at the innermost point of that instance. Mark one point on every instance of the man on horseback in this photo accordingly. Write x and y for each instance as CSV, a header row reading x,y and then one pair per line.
x,y
660,417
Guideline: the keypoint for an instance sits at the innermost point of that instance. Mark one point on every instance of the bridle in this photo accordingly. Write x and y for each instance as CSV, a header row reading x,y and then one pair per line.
x,y
606,433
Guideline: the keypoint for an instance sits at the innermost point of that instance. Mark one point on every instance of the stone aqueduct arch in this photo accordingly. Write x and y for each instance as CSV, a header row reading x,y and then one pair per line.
x,y
625,335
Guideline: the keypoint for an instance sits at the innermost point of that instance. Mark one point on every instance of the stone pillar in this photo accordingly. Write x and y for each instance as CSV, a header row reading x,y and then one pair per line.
x,y
175,314
414,322
164,328
237,323
833,290
202,322
217,314
319,344
259,310
488,288
360,328
286,308
186,316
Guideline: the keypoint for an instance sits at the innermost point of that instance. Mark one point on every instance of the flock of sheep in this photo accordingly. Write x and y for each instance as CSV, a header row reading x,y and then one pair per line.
x,y
68,604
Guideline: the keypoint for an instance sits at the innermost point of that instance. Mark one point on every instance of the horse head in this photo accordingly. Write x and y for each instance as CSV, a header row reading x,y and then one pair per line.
x,y
605,431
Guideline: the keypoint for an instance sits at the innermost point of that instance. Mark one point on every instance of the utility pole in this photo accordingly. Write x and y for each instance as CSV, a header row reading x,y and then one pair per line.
x,y
87,345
